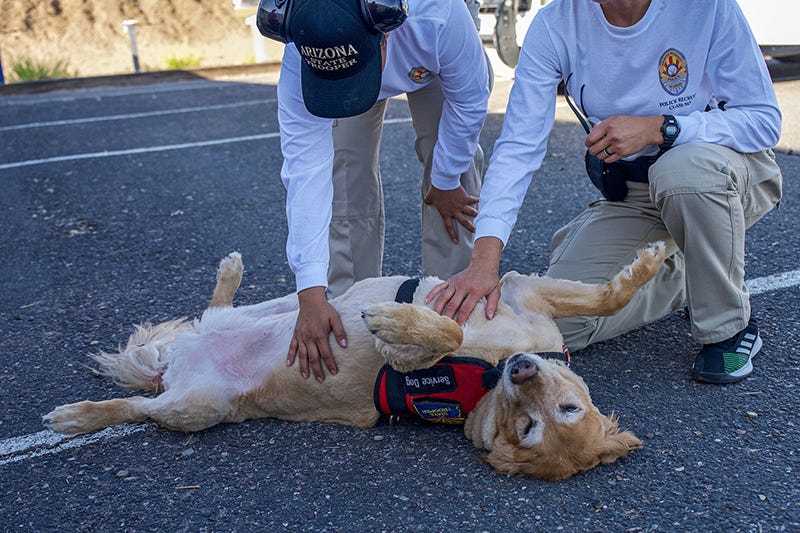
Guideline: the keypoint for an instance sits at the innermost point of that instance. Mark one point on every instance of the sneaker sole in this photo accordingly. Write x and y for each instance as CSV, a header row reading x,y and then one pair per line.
x,y
733,377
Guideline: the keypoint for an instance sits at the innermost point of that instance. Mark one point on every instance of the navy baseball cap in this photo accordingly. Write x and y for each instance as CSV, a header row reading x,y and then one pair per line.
x,y
341,67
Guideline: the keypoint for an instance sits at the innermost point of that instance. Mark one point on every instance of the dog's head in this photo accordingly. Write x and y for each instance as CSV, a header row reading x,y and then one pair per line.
x,y
540,421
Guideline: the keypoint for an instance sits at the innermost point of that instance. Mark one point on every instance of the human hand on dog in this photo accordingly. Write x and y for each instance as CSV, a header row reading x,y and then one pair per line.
x,y
622,136
315,320
458,296
453,205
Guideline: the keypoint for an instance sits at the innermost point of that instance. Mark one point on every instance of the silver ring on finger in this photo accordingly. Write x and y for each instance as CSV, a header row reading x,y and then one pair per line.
x,y
608,154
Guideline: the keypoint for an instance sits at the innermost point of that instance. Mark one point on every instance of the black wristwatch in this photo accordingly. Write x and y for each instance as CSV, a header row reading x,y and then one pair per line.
x,y
669,130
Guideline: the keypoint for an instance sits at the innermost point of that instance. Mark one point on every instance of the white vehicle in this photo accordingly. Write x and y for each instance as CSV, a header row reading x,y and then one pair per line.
x,y
505,22
775,24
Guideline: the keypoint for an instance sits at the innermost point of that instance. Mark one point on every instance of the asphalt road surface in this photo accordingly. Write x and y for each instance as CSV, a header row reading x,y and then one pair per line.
x,y
115,207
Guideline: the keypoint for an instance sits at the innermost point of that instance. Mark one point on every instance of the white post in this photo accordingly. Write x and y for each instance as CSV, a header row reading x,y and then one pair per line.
x,y
265,50
128,25
259,46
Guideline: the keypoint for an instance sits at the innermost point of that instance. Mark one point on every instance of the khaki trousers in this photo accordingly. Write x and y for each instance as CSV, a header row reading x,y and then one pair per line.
x,y
700,200
357,226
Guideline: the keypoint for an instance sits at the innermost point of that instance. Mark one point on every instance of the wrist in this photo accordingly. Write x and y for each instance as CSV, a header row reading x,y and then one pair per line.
x,y
486,252
312,295
658,137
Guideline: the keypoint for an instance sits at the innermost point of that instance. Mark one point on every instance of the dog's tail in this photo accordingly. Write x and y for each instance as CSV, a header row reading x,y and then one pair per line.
x,y
144,360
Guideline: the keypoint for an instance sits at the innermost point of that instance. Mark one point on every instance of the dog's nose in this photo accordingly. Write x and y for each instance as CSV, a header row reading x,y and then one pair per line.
x,y
521,368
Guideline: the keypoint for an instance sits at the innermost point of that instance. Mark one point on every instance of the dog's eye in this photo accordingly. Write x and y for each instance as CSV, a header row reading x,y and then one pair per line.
x,y
529,426
569,408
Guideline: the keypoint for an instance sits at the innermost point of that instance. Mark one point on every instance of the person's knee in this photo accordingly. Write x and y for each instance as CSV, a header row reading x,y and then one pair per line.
x,y
695,168
577,331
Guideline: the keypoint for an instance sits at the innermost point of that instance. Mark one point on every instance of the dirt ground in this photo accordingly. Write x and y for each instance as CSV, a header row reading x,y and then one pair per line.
x,y
88,35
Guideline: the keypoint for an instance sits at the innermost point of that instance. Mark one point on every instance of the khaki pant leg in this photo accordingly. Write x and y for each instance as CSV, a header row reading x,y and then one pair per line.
x,y
357,224
765,187
707,196
601,241
692,188
440,257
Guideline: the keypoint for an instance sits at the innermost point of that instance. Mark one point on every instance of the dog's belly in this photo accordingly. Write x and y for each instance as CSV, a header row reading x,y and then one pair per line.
x,y
236,359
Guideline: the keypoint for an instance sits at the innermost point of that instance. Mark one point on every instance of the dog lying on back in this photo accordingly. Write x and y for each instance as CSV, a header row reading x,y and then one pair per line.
x,y
229,366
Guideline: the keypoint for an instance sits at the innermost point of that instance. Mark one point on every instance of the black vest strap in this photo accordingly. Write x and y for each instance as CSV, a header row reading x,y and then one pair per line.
x,y
405,294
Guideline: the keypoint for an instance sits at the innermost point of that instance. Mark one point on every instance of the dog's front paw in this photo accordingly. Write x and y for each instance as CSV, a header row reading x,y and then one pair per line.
x,y
417,333
382,320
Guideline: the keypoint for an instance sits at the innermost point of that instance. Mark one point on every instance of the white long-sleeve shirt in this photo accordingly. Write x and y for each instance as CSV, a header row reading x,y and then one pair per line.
x,y
680,58
438,39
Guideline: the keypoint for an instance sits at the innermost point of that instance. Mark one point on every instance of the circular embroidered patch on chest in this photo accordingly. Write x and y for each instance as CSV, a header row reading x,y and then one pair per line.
x,y
419,74
673,72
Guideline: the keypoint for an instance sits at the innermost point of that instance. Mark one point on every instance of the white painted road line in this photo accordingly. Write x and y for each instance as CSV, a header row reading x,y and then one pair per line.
x,y
164,148
771,283
129,116
46,442
114,153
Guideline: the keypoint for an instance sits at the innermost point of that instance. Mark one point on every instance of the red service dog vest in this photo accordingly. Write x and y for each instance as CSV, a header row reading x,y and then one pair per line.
x,y
445,392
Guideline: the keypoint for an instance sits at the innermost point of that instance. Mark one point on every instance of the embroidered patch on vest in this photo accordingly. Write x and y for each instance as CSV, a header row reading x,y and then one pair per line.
x,y
441,411
673,73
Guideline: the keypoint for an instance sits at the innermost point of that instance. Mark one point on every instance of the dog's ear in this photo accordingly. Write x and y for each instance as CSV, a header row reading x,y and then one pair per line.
x,y
501,457
617,443
508,459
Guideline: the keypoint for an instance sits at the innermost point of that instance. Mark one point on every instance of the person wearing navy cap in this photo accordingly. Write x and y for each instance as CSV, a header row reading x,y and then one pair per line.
x,y
343,59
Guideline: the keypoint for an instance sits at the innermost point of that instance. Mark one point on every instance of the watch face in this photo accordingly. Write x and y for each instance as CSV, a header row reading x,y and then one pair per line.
x,y
671,130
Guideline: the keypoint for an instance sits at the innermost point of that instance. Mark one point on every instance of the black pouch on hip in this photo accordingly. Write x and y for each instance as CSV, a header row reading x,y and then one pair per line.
x,y
605,178
610,184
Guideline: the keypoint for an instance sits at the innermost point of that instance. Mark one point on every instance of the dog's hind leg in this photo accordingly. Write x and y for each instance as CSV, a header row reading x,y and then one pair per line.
x,y
83,417
411,337
229,277
173,410
143,361
571,298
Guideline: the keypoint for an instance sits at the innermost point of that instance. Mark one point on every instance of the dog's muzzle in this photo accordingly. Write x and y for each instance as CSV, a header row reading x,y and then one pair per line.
x,y
521,367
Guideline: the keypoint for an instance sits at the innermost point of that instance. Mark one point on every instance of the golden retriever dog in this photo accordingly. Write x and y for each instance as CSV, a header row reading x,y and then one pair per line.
x,y
230,365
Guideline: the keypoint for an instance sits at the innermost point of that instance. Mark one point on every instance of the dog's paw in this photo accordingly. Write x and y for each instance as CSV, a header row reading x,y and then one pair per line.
x,y
230,267
66,419
381,320
406,357
653,252
647,262
403,326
